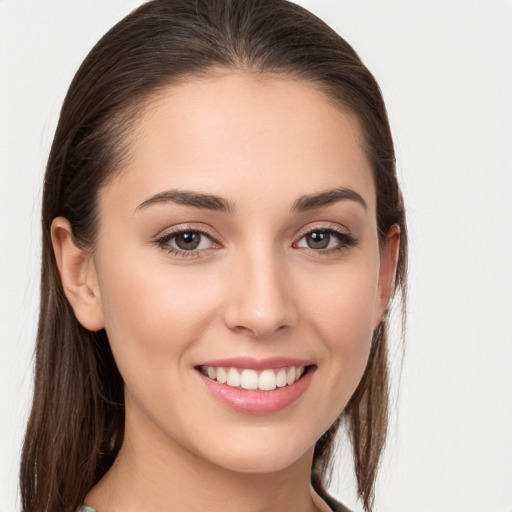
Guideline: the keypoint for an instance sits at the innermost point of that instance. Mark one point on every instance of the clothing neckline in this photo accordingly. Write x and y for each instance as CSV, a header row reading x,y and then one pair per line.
x,y
317,500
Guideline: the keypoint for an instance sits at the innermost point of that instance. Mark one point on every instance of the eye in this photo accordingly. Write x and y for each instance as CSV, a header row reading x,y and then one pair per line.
x,y
317,240
325,239
186,242
190,240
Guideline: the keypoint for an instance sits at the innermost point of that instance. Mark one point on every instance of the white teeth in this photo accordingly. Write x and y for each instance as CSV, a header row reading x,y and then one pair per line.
x,y
267,380
290,376
249,379
221,375
233,378
281,378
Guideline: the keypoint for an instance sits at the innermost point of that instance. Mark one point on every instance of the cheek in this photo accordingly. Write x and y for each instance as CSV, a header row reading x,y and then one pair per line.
x,y
345,305
152,314
344,318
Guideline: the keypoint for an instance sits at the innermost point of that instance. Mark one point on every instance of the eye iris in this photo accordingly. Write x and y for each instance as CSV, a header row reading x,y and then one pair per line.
x,y
318,239
188,240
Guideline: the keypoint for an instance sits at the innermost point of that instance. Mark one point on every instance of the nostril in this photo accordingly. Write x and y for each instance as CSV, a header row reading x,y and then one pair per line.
x,y
259,329
259,302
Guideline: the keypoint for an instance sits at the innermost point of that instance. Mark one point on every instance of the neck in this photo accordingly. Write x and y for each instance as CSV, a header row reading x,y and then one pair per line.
x,y
161,475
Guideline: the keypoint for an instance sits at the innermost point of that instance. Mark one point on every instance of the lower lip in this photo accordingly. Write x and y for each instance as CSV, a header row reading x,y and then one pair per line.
x,y
258,402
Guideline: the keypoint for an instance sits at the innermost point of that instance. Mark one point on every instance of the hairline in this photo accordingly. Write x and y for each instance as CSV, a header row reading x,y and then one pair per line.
x,y
130,113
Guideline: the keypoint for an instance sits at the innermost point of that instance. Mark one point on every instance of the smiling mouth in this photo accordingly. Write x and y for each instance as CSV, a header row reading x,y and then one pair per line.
x,y
249,379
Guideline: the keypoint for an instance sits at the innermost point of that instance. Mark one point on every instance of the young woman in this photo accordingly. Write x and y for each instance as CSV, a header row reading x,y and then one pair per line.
x,y
222,233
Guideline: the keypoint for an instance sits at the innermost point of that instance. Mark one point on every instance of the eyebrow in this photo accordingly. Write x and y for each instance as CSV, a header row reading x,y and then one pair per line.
x,y
216,203
314,201
187,198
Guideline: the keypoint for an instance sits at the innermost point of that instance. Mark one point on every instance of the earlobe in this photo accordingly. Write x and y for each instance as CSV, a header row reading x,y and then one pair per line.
x,y
78,276
387,272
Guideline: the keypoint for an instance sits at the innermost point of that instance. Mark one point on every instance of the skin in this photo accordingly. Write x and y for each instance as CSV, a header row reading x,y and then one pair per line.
x,y
254,289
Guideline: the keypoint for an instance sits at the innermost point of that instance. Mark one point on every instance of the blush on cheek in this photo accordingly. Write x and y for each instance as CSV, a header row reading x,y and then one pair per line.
x,y
154,313
345,321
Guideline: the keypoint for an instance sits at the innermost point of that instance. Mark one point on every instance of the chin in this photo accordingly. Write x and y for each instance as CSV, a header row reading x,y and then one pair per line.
x,y
261,454
258,463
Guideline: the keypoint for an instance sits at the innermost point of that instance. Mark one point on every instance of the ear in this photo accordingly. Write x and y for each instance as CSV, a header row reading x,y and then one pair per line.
x,y
78,276
388,263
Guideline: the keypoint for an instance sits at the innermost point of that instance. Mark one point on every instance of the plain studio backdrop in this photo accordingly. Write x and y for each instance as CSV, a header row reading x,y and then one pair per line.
x,y
445,69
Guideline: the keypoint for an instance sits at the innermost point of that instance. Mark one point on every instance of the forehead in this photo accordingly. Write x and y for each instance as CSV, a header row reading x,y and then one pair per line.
x,y
235,133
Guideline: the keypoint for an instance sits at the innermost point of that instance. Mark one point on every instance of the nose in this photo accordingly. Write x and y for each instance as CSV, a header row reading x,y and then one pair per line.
x,y
260,297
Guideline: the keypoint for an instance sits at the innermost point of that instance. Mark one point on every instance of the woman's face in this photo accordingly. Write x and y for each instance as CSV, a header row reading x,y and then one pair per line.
x,y
239,242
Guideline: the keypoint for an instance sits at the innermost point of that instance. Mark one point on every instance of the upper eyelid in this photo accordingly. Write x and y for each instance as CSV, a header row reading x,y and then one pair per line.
x,y
176,230
328,226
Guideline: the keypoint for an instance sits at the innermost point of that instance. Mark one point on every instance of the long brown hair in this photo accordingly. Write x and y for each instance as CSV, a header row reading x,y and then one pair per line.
x,y
76,424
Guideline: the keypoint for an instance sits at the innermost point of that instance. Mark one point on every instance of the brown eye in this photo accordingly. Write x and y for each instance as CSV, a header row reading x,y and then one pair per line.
x,y
188,240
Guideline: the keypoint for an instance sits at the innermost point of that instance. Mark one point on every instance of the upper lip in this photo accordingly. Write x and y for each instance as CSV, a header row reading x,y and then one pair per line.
x,y
257,364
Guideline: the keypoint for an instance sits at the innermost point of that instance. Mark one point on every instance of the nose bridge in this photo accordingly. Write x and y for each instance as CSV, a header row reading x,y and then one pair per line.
x,y
260,300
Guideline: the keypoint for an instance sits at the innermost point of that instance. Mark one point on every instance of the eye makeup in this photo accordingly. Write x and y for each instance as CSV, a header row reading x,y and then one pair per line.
x,y
187,241
320,240
325,240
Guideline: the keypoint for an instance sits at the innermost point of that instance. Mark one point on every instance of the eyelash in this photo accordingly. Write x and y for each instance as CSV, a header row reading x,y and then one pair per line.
x,y
164,240
345,239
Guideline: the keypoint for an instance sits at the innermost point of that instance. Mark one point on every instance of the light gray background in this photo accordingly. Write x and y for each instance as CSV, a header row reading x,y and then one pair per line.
x,y
445,68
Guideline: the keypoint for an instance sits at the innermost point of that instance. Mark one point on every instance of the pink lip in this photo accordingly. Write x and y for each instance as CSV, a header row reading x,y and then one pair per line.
x,y
257,364
257,402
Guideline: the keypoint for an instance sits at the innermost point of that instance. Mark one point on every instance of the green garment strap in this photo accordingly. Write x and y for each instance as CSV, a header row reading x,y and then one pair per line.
x,y
85,508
